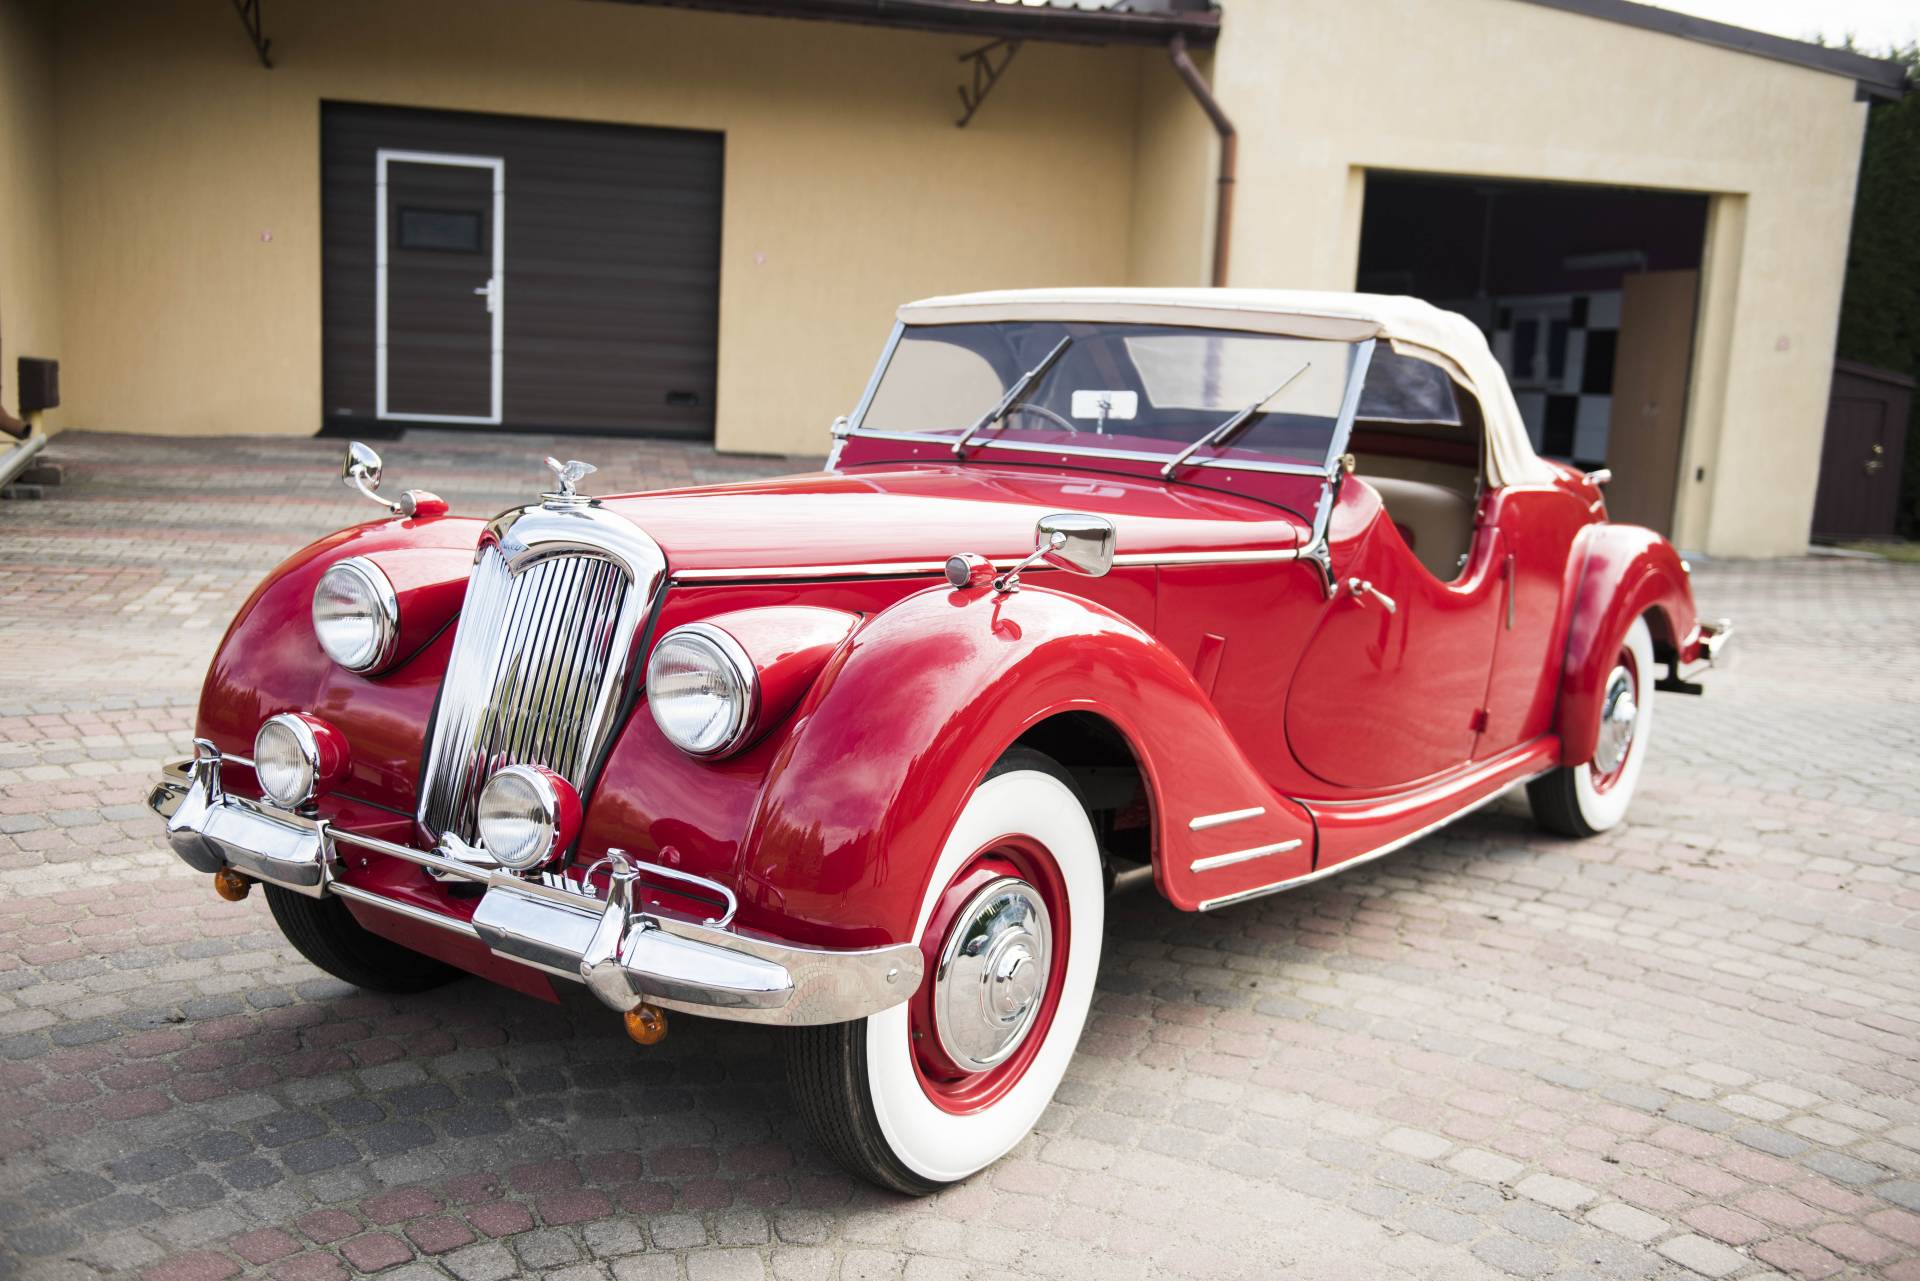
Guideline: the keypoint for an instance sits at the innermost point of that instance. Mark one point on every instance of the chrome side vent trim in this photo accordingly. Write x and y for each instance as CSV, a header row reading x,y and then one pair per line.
x,y
540,655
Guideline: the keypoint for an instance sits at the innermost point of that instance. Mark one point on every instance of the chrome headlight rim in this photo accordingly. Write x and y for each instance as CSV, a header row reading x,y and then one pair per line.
x,y
555,817
385,616
308,745
743,711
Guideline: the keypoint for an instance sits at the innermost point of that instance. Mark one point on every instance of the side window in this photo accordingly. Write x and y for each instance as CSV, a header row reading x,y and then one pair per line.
x,y
1418,440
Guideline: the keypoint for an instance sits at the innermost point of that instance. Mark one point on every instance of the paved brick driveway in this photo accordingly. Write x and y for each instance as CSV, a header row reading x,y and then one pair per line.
x,y
1691,1047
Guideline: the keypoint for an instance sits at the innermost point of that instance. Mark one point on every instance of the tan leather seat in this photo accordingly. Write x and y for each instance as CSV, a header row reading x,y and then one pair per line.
x,y
1437,521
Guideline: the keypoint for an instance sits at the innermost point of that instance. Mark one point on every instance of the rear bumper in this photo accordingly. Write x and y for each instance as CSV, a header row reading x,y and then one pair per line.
x,y
1710,644
625,956
1704,649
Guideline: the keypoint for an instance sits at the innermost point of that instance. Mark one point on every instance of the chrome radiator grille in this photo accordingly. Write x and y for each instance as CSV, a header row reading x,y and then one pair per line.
x,y
534,678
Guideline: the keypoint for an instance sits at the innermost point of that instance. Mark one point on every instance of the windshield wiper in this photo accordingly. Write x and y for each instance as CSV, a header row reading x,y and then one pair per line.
x,y
1219,435
1014,393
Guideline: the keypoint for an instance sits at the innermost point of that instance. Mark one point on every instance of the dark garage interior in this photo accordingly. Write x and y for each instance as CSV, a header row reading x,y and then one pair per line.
x,y
1588,296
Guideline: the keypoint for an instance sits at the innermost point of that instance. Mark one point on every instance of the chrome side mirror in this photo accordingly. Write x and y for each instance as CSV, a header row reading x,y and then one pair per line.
x,y
360,470
1073,541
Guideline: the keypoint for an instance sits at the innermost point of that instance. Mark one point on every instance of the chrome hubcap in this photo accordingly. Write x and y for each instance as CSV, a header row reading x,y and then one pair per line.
x,y
993,972
1618,712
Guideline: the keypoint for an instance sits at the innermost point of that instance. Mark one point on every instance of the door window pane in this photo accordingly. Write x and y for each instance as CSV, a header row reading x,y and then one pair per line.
x,y
444,230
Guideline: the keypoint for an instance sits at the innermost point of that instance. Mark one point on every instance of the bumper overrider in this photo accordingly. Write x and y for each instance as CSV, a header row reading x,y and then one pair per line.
x,y
627,957
1705,648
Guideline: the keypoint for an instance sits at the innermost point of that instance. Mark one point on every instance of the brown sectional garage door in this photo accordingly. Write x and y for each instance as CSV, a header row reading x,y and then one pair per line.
x,y
608,289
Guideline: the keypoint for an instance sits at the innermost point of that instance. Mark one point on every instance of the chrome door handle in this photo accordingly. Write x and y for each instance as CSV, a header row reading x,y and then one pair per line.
x,y
1361,588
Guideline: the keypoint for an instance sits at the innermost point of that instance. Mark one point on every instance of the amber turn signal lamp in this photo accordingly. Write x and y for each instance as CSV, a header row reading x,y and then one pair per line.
x,y
230,885
647,1024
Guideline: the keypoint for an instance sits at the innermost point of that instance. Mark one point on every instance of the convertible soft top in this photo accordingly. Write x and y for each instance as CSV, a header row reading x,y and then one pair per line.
x,y
1414,328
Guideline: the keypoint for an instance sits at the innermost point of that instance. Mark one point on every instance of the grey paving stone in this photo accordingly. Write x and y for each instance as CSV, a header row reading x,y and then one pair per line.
x,y
1513,1255
1771,1141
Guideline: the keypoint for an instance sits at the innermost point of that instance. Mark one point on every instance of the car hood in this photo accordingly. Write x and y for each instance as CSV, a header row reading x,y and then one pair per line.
x,y
922,515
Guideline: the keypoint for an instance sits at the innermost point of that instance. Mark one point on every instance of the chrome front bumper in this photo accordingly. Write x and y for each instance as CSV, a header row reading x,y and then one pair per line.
x,y
624,955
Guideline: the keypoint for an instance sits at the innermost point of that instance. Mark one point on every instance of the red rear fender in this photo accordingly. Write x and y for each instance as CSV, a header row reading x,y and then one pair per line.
x,y
1627,573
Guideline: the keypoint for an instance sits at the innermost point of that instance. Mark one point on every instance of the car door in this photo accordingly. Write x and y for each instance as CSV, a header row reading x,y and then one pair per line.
x,y
1390,688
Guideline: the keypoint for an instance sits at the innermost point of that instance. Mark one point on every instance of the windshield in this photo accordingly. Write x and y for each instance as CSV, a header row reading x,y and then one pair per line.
x,y
1118,389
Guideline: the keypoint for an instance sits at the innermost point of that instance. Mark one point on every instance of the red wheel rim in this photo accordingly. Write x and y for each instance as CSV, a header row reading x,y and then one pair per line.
x,y
1604,777
948,1085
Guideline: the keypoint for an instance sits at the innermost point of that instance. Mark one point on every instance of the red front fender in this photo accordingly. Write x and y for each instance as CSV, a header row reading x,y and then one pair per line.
x,y
1627,572
914,711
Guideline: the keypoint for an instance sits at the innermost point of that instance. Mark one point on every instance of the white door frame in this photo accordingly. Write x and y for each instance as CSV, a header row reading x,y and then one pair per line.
x,y
494,289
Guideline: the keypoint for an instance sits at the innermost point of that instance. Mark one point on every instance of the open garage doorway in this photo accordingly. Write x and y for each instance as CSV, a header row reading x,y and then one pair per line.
x,y
1588,296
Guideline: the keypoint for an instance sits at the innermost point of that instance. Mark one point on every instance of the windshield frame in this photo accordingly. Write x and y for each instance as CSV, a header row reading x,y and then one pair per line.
x,y
968,443
1330,472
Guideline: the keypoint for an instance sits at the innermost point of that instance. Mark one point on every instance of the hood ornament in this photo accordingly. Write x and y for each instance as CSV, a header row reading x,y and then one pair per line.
x,y
569,475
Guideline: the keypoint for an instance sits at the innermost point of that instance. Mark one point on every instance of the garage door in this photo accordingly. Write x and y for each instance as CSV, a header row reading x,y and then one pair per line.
x,y
510,273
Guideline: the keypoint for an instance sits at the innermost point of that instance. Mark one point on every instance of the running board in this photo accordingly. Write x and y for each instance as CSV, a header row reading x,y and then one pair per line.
x,y
1482,785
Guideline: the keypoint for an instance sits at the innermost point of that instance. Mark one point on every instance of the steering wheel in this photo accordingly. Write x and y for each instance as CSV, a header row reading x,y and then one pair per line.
x,y
1025,407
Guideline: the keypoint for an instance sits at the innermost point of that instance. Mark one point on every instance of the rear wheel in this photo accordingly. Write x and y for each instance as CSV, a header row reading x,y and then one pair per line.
x,y
1585,800
928,1092
324,931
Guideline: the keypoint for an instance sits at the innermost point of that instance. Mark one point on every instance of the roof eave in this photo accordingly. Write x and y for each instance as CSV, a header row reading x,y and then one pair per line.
x,y
1875,77
986,20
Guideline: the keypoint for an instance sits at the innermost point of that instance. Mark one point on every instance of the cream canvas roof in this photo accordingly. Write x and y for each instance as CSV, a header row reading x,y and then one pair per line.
x,y
1415,328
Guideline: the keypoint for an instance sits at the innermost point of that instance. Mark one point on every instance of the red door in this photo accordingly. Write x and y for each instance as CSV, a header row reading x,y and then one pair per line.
x,y
1389,690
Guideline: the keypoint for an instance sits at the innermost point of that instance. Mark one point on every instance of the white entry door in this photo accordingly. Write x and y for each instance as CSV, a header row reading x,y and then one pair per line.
x,y
440,286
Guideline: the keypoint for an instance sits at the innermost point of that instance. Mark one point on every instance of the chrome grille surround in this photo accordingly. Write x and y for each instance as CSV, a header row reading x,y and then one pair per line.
x,y
541,653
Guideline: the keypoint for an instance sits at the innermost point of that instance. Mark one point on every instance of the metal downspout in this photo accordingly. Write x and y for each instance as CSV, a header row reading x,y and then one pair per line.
x,y
1229,148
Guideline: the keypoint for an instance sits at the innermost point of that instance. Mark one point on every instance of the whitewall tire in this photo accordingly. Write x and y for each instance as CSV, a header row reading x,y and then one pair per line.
x,y
1587,799
930,1091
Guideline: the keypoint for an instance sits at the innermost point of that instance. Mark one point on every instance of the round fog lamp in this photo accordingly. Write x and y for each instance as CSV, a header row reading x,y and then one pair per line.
x,y
527,816
295,756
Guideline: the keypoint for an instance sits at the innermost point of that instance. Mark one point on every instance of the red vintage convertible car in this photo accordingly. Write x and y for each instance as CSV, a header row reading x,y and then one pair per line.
x,y
1222,590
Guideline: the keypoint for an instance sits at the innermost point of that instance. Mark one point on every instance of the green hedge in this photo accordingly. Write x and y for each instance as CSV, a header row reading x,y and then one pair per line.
x,y
1880,313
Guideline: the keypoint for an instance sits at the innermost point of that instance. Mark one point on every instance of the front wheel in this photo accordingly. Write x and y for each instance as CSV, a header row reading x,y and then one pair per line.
x,y
324,931
932,1090
1585,800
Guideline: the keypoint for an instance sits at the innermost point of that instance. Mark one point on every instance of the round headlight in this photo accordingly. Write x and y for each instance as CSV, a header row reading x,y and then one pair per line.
x,y
701,686
356,615
287,760
528,816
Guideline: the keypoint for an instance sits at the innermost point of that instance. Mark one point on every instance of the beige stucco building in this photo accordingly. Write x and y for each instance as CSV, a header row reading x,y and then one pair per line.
x,y
191,232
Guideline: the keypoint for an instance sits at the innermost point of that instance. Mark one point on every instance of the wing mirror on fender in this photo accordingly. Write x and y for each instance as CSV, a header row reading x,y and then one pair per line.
x,y
360,470
1073,541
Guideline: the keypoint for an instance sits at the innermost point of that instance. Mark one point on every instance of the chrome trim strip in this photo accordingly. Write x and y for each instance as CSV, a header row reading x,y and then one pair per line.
x,y
452,924
1212,861
1223,818
906,568
1322,873
859,414
1251,557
